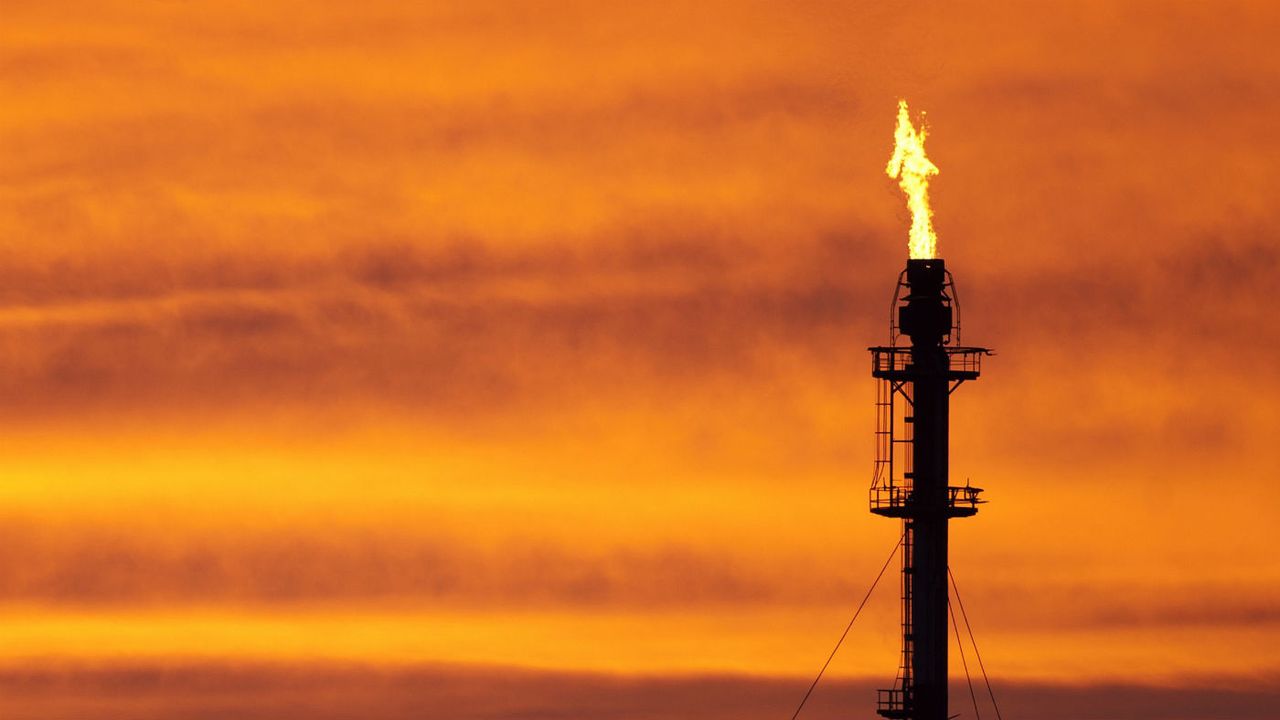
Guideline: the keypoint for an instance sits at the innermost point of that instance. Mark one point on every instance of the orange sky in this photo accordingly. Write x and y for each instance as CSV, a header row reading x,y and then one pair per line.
x,y
418,335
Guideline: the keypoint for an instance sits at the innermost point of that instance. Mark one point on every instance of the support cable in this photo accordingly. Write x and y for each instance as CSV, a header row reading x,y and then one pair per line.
x,y
845,634
973,642
963,662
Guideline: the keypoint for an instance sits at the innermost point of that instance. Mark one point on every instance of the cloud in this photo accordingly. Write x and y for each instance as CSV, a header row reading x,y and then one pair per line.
x,y
442,331
673,221
394,567
318,691
384,567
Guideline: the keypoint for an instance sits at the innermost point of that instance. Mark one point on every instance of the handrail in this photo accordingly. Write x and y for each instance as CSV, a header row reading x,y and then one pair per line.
x,y
899,496
899,359
892,699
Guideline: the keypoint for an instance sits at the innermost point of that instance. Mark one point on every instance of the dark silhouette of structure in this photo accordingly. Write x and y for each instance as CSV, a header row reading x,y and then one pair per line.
x,y
911,473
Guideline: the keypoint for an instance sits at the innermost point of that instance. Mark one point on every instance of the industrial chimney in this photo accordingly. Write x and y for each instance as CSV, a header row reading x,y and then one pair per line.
x,y
911,474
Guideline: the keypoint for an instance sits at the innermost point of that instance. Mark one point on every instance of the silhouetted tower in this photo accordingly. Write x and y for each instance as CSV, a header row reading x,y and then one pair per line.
x,y
911,483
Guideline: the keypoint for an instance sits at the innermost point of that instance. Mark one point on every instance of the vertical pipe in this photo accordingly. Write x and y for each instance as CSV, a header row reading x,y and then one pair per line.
x,y
929,599
926,319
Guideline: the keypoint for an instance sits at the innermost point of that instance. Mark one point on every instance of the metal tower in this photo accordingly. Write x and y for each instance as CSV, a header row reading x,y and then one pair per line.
x,y
911,483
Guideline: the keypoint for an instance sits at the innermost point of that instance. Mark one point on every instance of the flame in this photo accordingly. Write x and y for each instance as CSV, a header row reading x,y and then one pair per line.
x,y
912,169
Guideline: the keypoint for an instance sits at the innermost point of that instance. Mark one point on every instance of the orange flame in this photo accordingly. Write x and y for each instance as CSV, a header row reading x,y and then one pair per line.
x,y
912,169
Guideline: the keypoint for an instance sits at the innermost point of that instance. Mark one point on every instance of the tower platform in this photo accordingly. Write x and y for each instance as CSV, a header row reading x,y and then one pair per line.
x,y
897,501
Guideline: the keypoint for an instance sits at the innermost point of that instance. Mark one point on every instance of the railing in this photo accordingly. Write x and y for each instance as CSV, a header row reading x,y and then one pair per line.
x,y
962,360
889,496
963,498
966,360
891,703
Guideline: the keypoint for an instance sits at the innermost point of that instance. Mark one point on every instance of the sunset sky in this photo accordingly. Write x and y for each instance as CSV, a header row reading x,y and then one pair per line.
x,y
475,360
